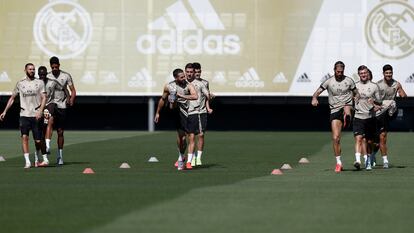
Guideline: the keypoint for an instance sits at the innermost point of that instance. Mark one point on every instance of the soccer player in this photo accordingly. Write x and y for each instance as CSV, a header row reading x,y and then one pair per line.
x,y
32,96
42,73
389,88
364,118
177,93
341,93
204,96
62,100
194,122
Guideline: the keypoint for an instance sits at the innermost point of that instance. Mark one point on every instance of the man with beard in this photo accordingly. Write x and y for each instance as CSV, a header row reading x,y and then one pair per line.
x,y
341,93
32,96
176,94
62,100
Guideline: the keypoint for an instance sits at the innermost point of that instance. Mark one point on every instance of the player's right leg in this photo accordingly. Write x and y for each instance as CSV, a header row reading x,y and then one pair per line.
x,y
336,127
24,124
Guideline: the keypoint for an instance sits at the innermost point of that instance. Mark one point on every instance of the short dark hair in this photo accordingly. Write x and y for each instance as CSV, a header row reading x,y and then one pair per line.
x,y
189,66
54,60
28,64
370,74
176,72
362,67
339,63
197,66
386,67
41,68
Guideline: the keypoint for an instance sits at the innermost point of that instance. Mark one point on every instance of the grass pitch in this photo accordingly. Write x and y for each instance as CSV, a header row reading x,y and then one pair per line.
x,y
232,192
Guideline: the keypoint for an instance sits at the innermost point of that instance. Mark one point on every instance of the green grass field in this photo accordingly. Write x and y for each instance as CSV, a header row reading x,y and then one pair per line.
x,y
232,192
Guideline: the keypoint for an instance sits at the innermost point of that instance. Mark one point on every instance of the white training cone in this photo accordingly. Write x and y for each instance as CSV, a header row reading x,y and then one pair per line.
x,y
286,166
124,165
2,159
303,160
153,160
277,172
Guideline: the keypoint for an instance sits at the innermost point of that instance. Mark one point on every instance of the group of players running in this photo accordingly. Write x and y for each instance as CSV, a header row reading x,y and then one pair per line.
x,y
188,97
43,104
370,106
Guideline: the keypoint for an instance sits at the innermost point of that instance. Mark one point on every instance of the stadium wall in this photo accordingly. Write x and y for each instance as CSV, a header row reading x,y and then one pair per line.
x,y
230,113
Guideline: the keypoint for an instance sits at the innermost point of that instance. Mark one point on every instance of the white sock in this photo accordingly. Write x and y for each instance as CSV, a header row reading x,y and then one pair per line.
x,y
60,153
180,156
365,158
368,160
338,160
385,159
47,145
199,153
358,157
26,157
36,155
45,158
189,158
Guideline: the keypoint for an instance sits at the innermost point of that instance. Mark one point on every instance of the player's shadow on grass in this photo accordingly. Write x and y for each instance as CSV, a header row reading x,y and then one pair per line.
x,y
207,166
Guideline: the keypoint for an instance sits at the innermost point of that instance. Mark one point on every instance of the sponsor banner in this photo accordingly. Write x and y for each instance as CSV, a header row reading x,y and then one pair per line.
x,y
370,32
266,47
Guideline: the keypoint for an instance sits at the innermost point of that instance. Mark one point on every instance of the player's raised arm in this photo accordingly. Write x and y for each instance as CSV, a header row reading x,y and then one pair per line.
x,y
193,93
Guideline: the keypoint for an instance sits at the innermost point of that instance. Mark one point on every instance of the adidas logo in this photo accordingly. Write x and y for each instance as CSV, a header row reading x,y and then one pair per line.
x,y
410,79
195,41
303,78
219,78
88,78
141,79
280,78
325,77
110,78
250,79
4,78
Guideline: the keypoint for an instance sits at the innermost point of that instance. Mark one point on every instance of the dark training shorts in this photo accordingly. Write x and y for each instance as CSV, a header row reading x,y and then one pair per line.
x,y
365,127
30,123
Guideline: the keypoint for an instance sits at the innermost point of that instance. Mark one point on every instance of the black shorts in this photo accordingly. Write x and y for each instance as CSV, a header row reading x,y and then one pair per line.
x,y
339,115
180,120
194,124
365,127
51,108
203,120
59,118
30,123
383,122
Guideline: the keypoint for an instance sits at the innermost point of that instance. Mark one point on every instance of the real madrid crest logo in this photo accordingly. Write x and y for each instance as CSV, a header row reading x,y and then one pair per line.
x,y
389,29
62,28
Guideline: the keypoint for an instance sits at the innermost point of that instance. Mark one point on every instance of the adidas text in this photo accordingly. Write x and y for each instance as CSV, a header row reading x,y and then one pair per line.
x,y
174,42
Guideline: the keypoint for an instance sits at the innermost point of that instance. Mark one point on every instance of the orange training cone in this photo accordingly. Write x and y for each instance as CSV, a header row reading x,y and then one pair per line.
x,y
277,172
88,171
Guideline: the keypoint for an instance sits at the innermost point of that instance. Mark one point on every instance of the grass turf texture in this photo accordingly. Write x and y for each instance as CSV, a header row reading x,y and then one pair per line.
x,y
232,192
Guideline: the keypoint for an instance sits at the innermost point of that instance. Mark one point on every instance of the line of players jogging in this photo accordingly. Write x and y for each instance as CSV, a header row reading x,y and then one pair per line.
x,y
43,104
188,98
367,105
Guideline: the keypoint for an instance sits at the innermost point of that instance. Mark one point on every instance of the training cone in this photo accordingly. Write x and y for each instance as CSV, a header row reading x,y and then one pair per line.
x,y
303,160
124,165
88,171
153,160
277,172
286,166
2,159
